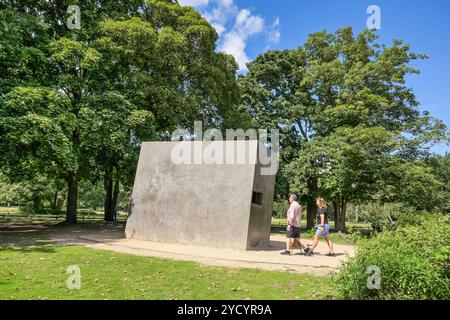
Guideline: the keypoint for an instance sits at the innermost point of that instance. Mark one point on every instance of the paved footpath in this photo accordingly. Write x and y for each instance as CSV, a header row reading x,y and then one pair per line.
x,y
110,237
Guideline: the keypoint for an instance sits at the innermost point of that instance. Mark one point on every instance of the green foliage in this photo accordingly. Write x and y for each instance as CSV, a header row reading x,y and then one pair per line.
x,y
36,195
91,196
413,260
77,104
440,168
347,119
280,208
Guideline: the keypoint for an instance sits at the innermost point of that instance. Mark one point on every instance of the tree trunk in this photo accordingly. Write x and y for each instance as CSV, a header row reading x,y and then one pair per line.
x,y
130,206
311,207
55,200
115,195
111,193
72,181
336,209
339,219
60,204
108,184
36,206
58,200
72,195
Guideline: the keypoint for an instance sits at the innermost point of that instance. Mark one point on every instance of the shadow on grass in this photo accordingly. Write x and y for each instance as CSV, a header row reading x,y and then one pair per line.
x,y
40,234
23,237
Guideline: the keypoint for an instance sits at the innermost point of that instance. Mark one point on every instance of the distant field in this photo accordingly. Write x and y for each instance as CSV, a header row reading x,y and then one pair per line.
x,y
11,210
18,211
15,213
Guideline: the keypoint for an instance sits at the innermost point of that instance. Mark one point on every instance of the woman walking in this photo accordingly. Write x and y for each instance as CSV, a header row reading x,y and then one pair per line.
x,y
323,228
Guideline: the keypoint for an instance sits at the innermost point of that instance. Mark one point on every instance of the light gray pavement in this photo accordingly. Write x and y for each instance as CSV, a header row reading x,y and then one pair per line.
x,y
267,258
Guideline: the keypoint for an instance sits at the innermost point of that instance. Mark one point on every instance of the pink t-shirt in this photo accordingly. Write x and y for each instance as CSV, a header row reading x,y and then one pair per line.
x,y
294,214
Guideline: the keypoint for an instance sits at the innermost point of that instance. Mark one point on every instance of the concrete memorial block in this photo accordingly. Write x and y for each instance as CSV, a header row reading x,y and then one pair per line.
x,y
202,193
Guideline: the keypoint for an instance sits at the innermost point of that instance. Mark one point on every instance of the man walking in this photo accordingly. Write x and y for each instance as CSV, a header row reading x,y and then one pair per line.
x,y
294,216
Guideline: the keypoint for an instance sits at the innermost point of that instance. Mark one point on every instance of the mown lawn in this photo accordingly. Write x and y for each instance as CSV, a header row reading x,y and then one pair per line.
x,y
10,210
40,272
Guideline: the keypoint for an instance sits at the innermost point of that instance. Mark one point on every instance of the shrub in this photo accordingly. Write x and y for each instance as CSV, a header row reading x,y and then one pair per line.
x,y
414,262
396,216
280,208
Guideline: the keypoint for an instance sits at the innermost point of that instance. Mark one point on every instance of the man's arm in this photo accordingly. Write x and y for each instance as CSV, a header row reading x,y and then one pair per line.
x,y
289,217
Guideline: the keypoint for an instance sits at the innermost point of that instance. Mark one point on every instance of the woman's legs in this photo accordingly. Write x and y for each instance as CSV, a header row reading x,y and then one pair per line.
x,y
330,245
302,243
314,244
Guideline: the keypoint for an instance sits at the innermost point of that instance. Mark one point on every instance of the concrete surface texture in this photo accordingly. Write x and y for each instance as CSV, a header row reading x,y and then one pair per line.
x,y
185,192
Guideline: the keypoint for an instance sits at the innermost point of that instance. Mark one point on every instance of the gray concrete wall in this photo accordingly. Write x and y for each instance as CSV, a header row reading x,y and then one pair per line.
x,y
196,203
261,215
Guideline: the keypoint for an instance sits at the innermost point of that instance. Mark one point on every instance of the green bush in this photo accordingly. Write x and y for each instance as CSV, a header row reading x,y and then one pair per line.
x,y
414,262
280,208
395,217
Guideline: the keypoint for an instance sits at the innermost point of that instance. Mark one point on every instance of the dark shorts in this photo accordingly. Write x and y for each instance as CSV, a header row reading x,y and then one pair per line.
x,y
294,233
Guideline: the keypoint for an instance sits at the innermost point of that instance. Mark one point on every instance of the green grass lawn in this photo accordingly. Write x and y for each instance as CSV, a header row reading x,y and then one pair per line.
x,y
39,272
10,210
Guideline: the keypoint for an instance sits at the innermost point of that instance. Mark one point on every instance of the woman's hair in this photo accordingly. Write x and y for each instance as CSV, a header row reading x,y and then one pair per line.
x,y
322,202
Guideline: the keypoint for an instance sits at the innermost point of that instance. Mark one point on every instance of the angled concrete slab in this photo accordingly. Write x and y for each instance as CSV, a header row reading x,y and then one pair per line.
x,y
202,193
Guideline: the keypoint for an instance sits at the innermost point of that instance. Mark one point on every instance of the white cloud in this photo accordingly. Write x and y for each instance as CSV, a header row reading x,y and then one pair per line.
x,y
226,3
274,34
219,13
220,28
235,26
222,12
193,3
235,41
248,24
235,45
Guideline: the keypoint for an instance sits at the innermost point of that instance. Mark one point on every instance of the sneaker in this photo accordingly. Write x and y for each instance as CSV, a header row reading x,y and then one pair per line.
x,y
286,253
331,254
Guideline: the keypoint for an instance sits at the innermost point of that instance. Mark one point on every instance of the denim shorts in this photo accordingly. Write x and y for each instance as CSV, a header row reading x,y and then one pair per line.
x,y
294,233
326,230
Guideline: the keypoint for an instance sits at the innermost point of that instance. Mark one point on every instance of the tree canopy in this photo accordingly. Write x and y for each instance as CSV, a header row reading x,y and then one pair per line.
x,y
79,102
345,111
76,104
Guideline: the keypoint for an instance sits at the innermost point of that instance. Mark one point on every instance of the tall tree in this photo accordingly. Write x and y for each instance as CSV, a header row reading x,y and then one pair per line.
x,y
275,95
351,92
83,100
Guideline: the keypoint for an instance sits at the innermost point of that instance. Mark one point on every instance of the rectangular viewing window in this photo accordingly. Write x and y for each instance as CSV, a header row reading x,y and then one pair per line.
x,y
257,198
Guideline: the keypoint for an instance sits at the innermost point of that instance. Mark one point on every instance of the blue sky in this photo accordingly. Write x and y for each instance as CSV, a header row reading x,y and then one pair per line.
x,y
249,27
